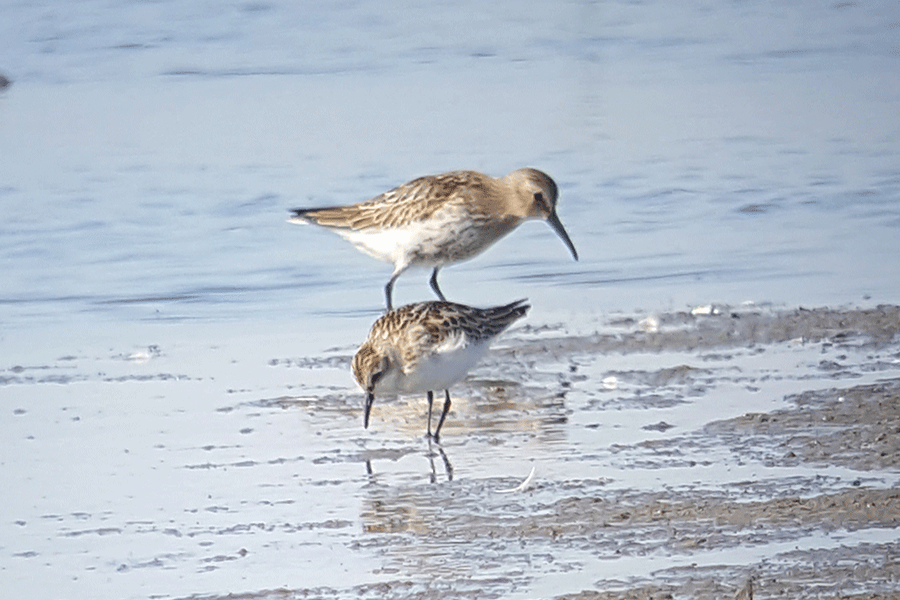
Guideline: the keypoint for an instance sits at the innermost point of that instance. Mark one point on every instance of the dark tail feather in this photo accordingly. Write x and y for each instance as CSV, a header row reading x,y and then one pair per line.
x,y
334,217
302,215
517,308
507,314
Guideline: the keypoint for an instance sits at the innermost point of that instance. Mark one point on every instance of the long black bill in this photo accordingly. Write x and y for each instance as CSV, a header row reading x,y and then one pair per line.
x,y
370,398
557,226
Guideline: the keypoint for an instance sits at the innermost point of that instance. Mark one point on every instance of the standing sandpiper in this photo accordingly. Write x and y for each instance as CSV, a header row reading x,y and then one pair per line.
x,y
443,219
428,346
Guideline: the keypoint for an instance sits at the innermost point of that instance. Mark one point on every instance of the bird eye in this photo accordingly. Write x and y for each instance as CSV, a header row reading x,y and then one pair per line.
x,y
540,201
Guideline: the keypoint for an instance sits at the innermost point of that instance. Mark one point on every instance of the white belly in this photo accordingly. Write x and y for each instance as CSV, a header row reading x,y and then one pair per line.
x,y
450,236
442,369
389,245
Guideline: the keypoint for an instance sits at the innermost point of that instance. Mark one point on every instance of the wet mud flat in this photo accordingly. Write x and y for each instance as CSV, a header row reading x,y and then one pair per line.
x,y
691,454
795,493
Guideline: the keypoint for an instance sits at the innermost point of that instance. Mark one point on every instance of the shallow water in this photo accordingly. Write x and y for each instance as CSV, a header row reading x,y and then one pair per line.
x,y
177,406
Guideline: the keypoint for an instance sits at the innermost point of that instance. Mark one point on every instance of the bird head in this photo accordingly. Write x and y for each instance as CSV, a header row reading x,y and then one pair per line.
x,y
539,193
369,366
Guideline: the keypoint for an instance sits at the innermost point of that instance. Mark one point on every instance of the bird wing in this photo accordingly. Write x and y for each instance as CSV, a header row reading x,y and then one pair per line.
x,y
414,201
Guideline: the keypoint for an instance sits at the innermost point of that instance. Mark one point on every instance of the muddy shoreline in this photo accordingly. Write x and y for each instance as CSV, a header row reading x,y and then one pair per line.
x,y
821,518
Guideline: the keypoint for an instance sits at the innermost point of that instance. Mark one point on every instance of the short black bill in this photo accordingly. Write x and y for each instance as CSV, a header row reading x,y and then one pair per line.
x,y
370,398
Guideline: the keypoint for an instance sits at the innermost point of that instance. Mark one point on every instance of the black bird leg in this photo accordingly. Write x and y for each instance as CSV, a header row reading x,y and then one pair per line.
x,y
437,432
430,402
389,290
434,284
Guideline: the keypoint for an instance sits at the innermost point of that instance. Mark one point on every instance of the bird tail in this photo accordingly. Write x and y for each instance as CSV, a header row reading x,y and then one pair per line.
x,y
504,316
304,215
333,217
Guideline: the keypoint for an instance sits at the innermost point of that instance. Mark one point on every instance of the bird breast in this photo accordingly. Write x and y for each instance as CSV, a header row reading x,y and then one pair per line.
x,y
439,370
449,235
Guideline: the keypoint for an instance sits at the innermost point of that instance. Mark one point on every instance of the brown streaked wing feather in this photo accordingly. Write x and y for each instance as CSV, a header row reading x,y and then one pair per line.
x,y
425,325
478,323
414,201
411,330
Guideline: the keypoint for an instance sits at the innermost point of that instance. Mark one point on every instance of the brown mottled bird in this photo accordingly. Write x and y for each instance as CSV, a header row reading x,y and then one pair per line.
x,y
442,219
428,346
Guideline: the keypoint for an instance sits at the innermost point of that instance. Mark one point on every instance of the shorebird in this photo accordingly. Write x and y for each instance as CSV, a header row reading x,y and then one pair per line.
x,y
427,346
439,220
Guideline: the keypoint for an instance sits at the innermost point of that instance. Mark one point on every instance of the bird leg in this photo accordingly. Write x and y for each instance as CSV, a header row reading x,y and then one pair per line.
x,y
437,432
389,290
430,402
434,284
